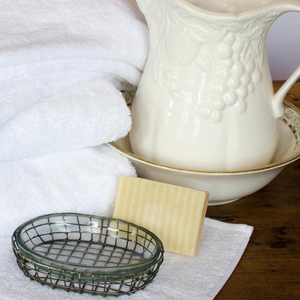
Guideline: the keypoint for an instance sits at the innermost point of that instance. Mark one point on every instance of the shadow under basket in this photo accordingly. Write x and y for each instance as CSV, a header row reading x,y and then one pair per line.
x,y
87,254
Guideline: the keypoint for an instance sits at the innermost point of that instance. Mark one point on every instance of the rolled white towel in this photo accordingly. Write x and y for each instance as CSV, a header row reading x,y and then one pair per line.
x,y
83,181
48,46
87,114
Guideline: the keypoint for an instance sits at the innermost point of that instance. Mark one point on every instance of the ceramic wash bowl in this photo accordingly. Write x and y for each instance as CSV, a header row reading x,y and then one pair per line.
x,y
225,187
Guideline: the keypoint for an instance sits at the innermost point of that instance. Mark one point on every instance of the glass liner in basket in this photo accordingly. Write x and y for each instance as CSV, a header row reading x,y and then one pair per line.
x,y
87,254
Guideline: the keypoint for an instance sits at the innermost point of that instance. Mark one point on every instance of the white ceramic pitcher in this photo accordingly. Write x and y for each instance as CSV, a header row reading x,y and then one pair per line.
x,y
206,99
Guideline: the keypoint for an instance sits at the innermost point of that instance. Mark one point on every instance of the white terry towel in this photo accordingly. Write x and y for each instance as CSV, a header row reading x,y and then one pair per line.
x,y
63,42
62,63
51,46
88,114
83,181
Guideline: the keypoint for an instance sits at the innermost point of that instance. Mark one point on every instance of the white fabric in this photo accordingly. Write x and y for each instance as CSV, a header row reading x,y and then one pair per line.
x,y
87,114
83,181
62,64
180,277
47,47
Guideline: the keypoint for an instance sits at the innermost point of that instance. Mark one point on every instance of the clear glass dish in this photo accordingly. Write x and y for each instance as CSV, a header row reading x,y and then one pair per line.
x,y
86,253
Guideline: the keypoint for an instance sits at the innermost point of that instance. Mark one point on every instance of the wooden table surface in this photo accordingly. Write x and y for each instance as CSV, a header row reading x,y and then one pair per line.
x,y
270,266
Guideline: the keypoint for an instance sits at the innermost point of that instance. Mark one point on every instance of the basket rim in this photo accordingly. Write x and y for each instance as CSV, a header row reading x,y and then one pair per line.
x,y
94,270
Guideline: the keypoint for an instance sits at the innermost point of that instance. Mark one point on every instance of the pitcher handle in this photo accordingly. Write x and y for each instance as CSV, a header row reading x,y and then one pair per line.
x,y
278,107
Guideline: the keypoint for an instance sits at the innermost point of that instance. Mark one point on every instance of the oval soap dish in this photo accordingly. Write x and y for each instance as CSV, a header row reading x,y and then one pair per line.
x,y
87,254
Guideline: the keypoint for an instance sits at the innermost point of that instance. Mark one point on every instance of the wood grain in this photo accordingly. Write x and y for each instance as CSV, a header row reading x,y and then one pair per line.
x,y
270,266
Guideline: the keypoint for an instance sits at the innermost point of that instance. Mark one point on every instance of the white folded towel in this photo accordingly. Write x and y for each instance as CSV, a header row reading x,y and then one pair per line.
x,y
48,47
179,277
87,114
83,181
62,65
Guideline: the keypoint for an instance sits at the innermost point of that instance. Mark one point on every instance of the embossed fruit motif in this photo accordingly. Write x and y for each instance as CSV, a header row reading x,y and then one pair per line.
x,y
239,55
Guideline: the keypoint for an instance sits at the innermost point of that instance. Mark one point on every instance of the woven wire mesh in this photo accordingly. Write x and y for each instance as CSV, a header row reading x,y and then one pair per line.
x,y
87,254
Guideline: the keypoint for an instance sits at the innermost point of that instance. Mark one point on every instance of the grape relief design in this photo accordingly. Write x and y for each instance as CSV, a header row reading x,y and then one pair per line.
x,y
240,50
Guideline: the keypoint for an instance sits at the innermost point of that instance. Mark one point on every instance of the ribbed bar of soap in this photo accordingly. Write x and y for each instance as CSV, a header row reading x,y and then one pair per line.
x,y
174,213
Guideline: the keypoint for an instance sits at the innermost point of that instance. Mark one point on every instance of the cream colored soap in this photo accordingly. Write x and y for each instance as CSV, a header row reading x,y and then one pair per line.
x,y
174,213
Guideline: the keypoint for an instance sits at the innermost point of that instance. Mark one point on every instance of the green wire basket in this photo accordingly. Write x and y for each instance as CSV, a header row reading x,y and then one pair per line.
x,y
87,254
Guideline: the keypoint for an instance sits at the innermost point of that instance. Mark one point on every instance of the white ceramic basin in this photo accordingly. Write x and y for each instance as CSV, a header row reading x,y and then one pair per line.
x,y
225,187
